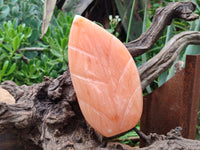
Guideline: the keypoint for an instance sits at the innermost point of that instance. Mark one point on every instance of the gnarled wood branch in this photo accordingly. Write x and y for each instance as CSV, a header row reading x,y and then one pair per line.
x,y
162,18
172,140
150,70
58,123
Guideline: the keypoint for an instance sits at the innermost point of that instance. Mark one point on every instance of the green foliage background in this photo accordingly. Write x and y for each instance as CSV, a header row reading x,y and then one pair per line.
x,y
20,30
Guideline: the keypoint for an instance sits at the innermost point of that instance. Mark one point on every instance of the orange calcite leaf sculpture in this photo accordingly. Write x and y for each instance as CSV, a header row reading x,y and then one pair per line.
x,y
105,78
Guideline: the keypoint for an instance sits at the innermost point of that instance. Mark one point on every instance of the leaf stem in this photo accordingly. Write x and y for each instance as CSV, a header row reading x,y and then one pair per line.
x,y
130,20
31,49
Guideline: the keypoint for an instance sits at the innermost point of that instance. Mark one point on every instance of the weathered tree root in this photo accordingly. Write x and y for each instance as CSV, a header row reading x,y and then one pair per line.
x,y
48,116
150,70
49,122
58,123
172,140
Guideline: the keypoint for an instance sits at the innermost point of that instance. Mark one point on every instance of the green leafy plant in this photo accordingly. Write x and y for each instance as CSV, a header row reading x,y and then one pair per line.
x,y
29,73
7,69
113,24
28,12
18,65
125,139
27,65
57,39
10,41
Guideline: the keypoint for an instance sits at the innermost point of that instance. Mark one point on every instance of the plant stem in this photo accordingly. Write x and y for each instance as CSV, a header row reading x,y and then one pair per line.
x,y
130,20
144,59
31,49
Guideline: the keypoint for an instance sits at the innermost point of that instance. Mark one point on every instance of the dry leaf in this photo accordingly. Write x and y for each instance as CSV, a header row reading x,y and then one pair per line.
x,y
49,6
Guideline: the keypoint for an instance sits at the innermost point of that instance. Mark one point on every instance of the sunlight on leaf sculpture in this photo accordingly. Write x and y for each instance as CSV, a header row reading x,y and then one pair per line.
x,y
105,78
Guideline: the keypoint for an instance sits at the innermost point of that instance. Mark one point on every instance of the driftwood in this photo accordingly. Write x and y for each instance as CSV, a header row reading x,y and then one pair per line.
x,y
47,116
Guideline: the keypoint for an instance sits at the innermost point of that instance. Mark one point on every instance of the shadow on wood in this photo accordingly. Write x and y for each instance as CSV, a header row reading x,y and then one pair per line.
x,y
10,141
175,103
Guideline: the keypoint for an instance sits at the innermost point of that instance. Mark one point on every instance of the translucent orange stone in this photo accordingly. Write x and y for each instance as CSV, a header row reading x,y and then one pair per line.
x,y
105,78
